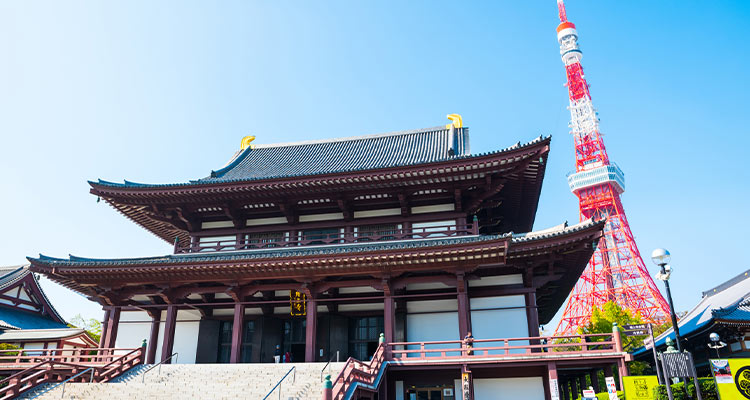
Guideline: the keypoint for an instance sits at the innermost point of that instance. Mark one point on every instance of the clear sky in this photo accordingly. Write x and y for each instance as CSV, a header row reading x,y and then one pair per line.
x,y
163,92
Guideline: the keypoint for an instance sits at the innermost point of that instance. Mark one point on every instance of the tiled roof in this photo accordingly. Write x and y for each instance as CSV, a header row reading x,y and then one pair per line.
x,y
311,250
266,253
26,335
554,231
729,298
11,275
17,319
317,157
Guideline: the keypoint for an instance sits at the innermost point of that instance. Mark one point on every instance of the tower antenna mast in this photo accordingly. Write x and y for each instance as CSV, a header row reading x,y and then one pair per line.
x,y
616,271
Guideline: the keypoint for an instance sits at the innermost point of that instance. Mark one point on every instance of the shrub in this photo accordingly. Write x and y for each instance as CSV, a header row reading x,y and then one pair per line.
x,y
707,385
8,346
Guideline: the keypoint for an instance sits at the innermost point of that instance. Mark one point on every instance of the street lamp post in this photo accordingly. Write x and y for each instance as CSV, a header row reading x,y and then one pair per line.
x,y
716,343
661,258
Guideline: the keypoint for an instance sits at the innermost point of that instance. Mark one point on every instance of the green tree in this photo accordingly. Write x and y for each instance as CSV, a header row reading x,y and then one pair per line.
x,y
92,326
603,319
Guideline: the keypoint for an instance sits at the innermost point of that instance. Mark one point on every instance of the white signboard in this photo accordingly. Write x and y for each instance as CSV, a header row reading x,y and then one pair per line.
x,y
648,343
554,391
589,394
611,388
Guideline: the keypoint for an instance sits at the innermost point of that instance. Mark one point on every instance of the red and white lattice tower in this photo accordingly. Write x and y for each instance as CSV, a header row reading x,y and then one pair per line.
x,y
616,270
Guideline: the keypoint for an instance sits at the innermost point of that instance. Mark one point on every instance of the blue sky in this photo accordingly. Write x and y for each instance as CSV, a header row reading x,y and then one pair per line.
x,y
164,91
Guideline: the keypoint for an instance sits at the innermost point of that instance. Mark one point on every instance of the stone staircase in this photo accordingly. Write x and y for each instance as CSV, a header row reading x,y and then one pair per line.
x,y
202,381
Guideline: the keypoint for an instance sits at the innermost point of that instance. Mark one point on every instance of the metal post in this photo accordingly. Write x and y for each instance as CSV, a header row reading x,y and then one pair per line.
x,y
671,309
656,359
667,382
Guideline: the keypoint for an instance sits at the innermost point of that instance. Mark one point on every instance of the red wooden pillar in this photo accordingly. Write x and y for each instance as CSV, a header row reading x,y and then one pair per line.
x,y
464,311
169,328
154,336
311,328
105,328
389,312
553,386
237,332
113,322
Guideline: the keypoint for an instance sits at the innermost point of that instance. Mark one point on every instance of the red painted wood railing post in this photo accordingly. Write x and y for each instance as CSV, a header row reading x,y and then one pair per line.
x,y
616,337
327,388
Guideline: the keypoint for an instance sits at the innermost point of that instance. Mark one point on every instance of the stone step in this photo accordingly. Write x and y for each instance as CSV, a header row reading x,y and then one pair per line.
x,y
205,381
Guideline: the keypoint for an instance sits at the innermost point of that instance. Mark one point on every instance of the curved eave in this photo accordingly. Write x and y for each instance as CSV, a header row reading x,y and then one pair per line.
x,y
574,247
130,200
24,275
84,275
377,176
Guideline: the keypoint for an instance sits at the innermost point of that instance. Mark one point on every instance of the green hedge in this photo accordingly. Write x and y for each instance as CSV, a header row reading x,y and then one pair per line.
x,y
707,385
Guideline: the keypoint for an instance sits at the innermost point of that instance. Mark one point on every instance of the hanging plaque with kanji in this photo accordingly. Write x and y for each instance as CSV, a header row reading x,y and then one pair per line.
x,y
297,303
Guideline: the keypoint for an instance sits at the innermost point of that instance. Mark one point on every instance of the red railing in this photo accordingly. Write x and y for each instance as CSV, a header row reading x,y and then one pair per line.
x,y
491,348
356,371
313,239
55,365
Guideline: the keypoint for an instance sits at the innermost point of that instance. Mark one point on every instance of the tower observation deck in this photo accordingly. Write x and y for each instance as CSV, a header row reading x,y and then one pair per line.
x,y
616,271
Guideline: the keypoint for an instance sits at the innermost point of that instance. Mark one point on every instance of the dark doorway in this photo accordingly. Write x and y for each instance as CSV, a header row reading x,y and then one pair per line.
x,y
225,342
294,339
364,333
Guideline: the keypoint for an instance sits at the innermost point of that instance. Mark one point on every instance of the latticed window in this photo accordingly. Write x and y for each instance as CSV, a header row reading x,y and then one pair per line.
x,y
363,336
321,236
265,239
377,232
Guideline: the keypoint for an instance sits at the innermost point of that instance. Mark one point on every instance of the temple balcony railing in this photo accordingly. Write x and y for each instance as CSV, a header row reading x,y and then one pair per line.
x,y
283,239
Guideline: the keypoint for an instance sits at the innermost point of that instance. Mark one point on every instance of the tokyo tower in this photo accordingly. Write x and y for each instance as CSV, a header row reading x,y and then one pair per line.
x,y
616,271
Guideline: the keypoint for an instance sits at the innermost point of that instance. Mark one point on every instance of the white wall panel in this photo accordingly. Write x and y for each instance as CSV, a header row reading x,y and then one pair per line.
x,y
432,327
487,323
134,327
509,389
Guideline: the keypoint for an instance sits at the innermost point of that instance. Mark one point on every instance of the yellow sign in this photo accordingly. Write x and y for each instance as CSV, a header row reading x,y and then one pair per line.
x,y
732,377
297,303
639,387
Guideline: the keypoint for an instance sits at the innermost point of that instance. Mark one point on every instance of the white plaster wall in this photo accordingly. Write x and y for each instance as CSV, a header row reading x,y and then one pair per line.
x,y
497,280
487,323
509,389
458,394
266,221
377,213
186,336
432,327
321,217
435,208
134,326
216,224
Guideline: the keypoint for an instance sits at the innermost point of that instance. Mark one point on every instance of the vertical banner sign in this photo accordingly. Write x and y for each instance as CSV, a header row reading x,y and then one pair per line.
x,y
639,387
732,377
611,388
465,385
297,303
554,391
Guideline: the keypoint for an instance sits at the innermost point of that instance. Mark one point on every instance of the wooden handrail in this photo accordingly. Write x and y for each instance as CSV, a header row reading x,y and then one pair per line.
x,y
328,239
51,369
588,343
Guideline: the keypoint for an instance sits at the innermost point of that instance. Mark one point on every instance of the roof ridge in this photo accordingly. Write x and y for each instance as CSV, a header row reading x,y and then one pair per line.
x,y
729,283
433,129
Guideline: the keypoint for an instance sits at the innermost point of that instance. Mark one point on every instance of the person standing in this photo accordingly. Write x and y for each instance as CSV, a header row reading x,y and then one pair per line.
x,y
277,354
